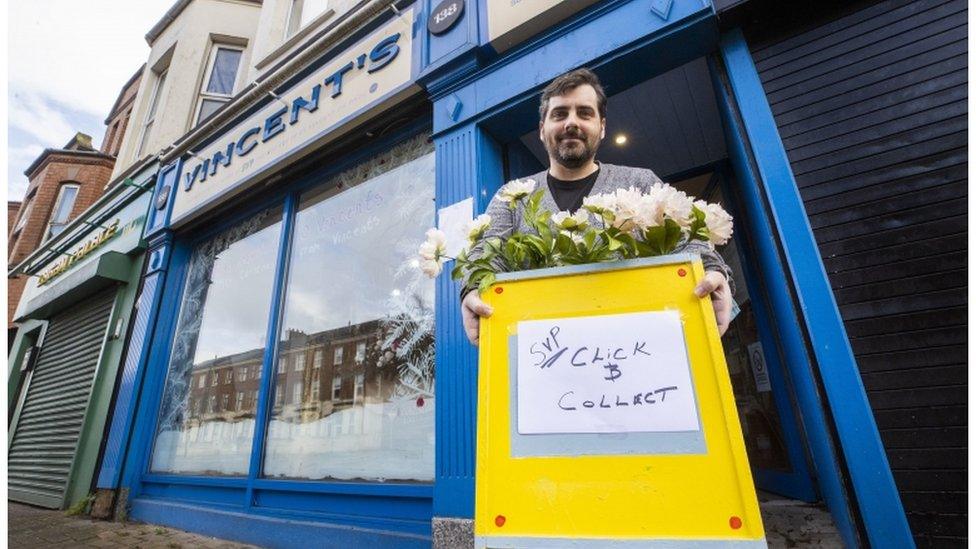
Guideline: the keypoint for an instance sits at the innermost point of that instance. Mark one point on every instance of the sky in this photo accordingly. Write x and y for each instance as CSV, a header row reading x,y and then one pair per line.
x,y
67,61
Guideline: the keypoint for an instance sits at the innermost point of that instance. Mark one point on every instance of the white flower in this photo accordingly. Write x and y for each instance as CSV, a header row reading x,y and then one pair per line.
x,y
516,190
636,210
576,222
677,206
476,227
435,245
718,221
431,267
433,253
575,236
600,203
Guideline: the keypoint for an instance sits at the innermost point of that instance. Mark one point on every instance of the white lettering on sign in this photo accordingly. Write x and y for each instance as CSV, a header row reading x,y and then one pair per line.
x,y
605,374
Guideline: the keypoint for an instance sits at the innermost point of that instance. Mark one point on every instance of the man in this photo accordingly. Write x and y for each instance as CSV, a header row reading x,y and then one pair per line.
x,y
572,114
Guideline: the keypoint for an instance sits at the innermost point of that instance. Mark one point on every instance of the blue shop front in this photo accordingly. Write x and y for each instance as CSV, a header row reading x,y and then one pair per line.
x,y
297,380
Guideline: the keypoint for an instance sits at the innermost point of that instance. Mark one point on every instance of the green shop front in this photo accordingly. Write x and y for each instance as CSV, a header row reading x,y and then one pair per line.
x,y
72,320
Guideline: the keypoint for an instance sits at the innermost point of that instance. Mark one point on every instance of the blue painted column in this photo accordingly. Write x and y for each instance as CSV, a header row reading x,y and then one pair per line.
x,y
468,165
863,453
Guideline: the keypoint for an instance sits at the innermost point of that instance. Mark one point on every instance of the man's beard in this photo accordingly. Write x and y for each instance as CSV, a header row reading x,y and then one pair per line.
x,y
573,154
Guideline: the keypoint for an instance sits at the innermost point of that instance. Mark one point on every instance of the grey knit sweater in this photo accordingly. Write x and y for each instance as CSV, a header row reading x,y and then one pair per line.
x,y
611,178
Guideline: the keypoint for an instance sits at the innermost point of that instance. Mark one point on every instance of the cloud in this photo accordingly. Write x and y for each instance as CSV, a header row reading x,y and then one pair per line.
x,y
78,53
32,114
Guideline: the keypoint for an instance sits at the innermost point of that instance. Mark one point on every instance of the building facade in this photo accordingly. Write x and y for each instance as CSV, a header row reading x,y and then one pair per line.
x,y
282,390
62,183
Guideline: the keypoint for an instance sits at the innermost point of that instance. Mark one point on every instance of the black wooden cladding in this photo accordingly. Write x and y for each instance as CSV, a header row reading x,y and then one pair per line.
x,y
871,107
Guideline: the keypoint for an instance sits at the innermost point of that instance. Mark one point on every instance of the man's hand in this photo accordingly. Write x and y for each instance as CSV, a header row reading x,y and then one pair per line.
x,y
472,309
714,283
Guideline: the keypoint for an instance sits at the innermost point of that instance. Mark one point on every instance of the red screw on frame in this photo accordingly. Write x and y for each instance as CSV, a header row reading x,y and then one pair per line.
x,y
500,521
682,272
499,290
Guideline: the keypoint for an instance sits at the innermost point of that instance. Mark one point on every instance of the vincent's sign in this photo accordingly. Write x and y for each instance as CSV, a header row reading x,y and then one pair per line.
x,y
356,79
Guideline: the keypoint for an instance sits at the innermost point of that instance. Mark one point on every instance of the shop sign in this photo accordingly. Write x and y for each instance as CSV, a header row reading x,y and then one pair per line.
x,y
82,251
120,233
513,21
340,92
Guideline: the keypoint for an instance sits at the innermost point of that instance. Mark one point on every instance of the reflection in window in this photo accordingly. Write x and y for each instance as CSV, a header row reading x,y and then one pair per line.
x,y
377,421
217,330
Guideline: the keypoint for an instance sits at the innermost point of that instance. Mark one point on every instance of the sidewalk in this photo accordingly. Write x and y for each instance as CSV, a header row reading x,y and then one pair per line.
x,y
30,527
789,524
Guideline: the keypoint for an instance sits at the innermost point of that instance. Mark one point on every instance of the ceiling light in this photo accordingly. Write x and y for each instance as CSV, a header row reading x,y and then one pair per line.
x,y
621,139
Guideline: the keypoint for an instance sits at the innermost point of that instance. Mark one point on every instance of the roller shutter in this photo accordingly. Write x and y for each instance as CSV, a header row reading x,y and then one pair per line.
x,y
43,447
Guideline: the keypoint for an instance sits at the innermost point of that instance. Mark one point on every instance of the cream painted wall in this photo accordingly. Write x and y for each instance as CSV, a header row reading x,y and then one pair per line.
x,y
273,26
184,46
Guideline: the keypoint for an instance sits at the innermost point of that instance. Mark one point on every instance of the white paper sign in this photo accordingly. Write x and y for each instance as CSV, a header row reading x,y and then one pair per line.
x,y
605,374
453,220
759,371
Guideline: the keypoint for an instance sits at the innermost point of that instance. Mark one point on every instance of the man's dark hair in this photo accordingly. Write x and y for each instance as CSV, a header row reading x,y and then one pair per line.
x,y
569,82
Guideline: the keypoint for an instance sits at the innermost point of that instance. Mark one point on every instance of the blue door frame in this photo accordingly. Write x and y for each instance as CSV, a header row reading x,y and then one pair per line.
x,y
766,180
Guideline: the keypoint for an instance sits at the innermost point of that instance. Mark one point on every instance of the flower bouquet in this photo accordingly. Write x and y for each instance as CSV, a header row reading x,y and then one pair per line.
x,y
625,224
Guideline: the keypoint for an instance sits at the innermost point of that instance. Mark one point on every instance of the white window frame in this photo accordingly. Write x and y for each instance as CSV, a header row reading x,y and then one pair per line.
x,y
242,373
296,393
214,378
211,64
360,352
337,356
57,207
300,362
358,388
240,401
336,387
291,27
150,118
317,358
25,211
282,365
202,381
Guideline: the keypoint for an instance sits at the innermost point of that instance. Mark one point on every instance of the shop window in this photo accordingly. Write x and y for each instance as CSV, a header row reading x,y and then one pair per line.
x,y
220,80
215,324
300,362
302,13
61,213
147,124
363,239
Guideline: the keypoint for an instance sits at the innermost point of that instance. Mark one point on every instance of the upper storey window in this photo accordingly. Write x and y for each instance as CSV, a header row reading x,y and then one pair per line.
x,y
220,79
303,12
151,113
62,210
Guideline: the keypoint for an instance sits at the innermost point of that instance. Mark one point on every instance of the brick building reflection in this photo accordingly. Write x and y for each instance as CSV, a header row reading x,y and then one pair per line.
x,y
315,375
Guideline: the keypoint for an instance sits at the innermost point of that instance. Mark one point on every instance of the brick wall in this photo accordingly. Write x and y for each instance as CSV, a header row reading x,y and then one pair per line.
x,y
90,172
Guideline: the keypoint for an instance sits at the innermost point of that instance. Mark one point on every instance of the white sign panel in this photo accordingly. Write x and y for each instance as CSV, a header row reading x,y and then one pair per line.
x,y
605,374
453,220
759,371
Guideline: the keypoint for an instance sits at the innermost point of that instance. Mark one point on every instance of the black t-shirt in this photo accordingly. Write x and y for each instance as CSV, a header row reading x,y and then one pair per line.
x,y
569,195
